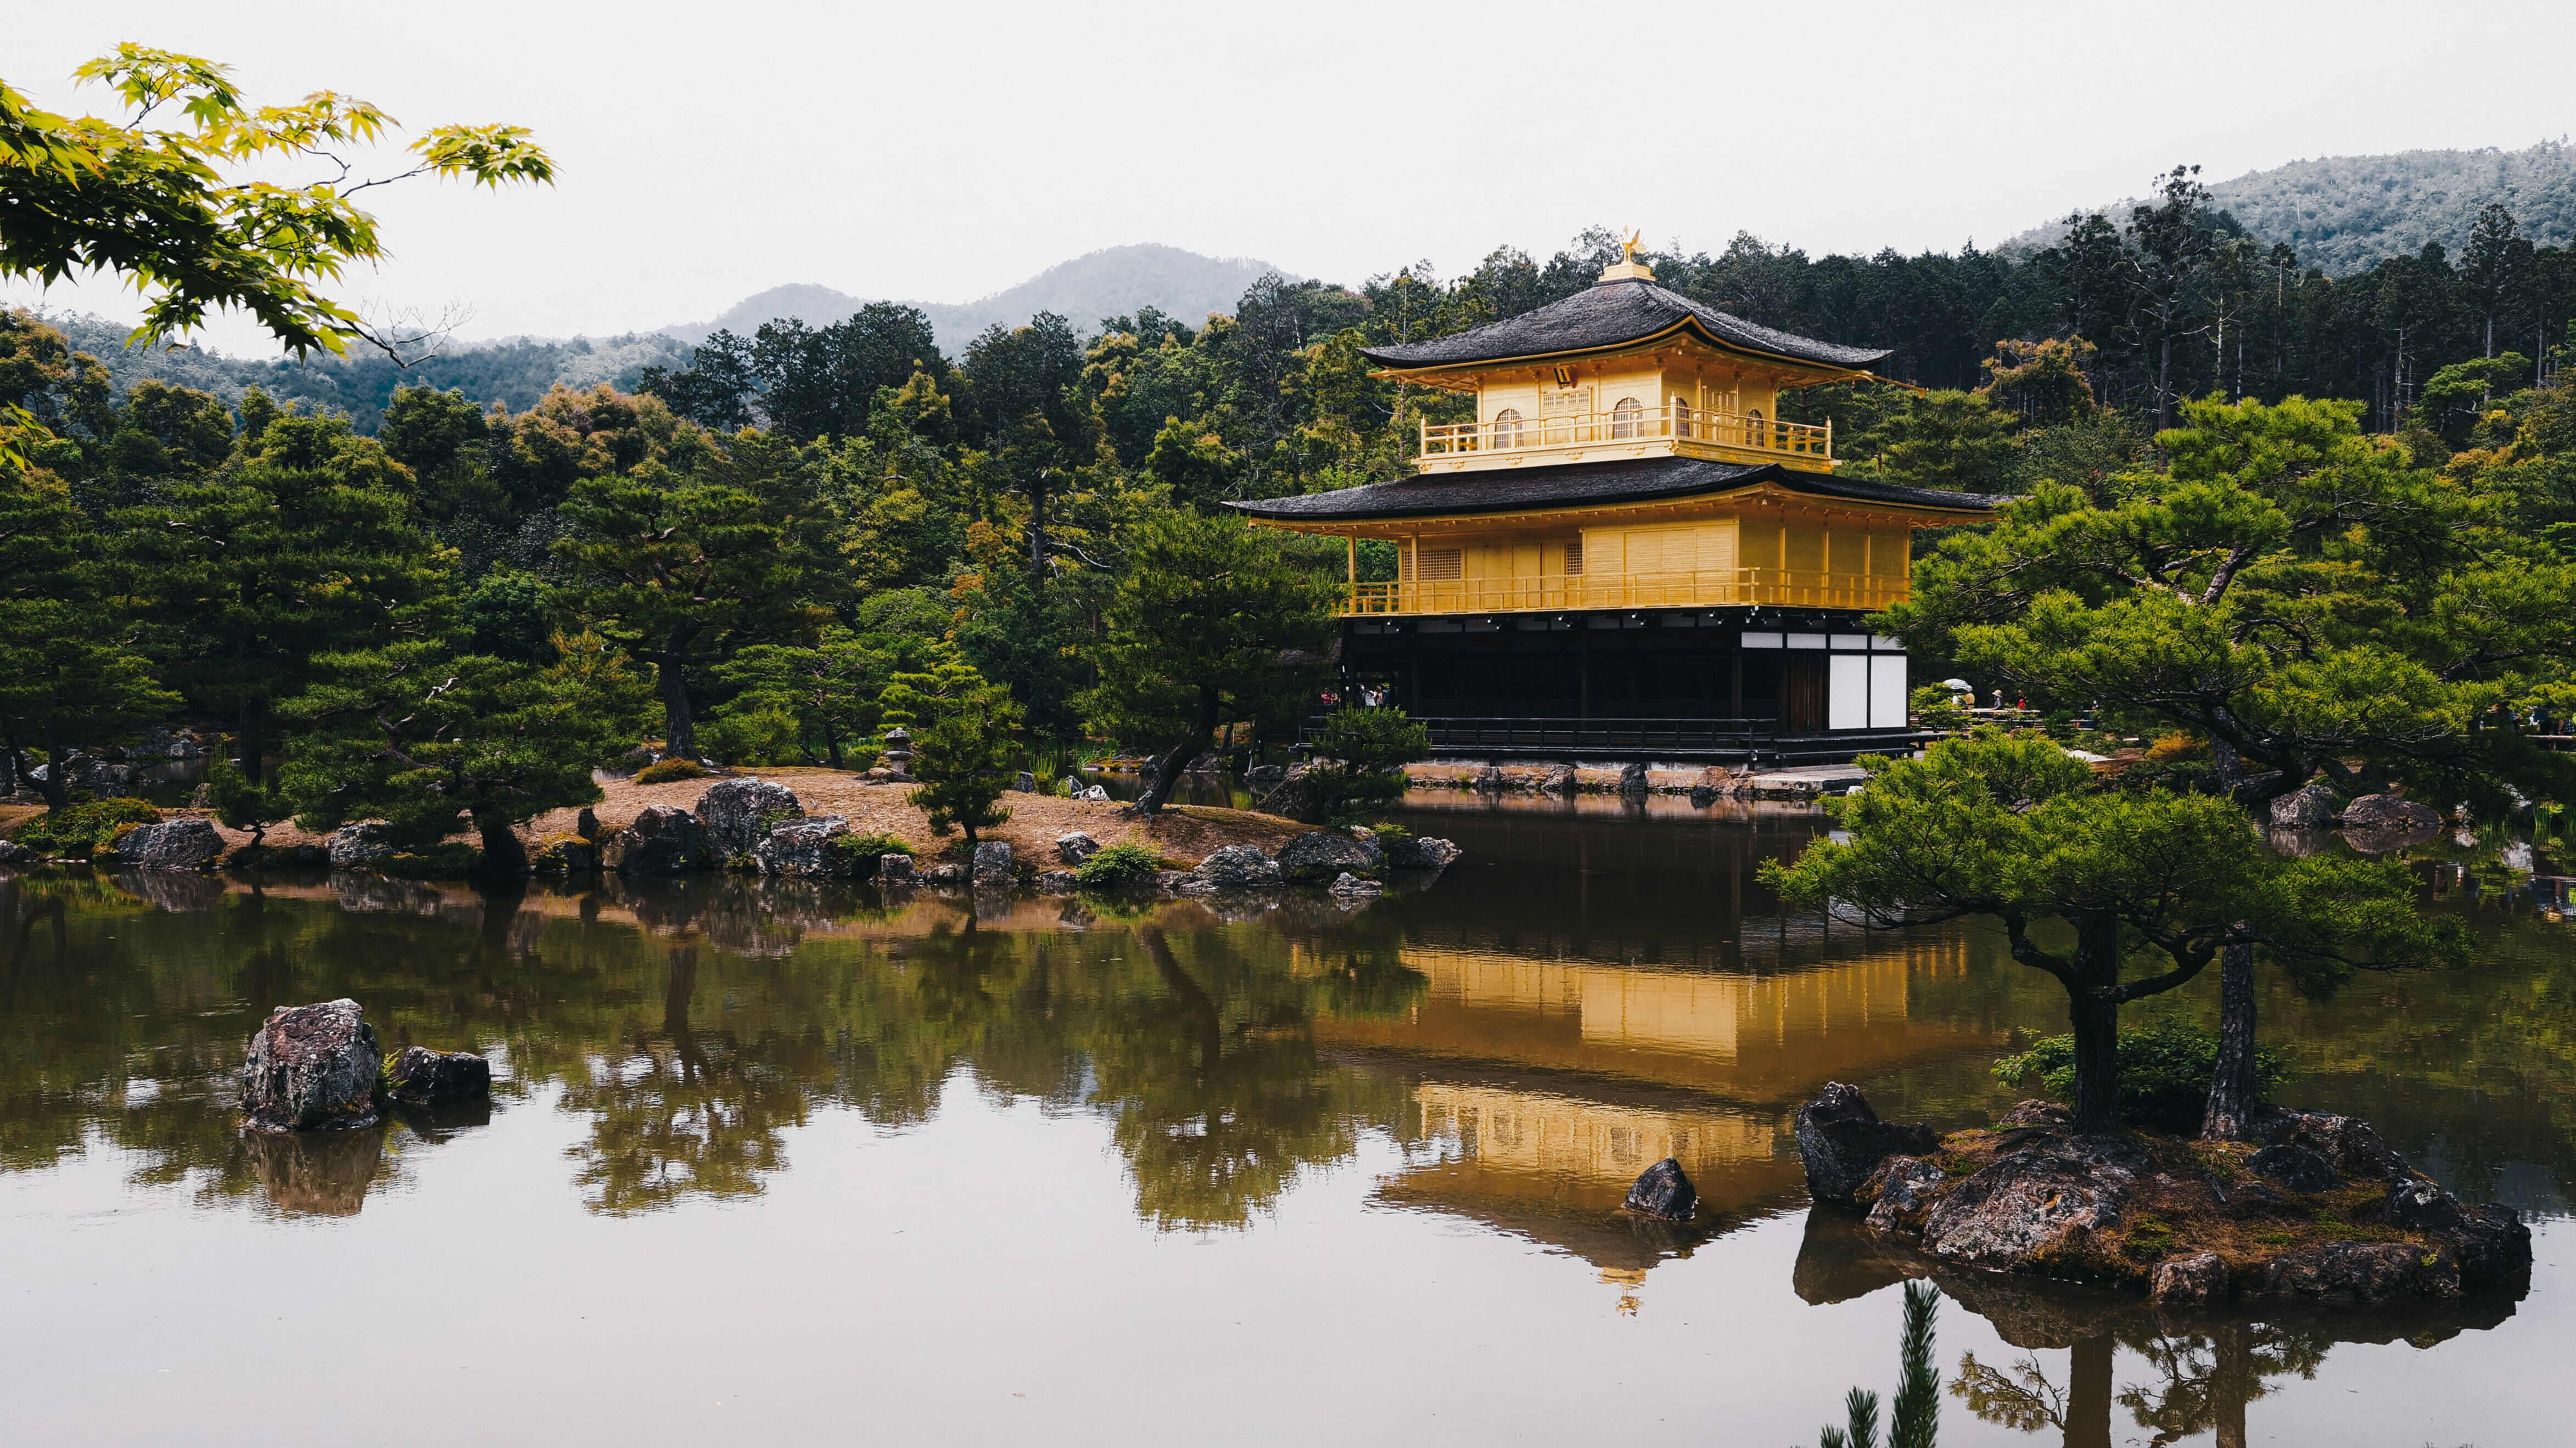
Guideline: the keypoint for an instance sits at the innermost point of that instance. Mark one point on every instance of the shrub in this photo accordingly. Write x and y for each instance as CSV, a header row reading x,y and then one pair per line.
x,y
858,855
670,769
2164,1073
1118,865
79,830
1360,756
756,730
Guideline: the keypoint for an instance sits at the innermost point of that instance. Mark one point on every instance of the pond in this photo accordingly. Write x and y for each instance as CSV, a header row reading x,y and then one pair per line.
x,y
801,1162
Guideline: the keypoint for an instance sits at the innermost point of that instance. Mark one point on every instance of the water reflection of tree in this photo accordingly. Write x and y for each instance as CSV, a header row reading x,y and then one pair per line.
x,y
2204,1383
688,1060
679,1113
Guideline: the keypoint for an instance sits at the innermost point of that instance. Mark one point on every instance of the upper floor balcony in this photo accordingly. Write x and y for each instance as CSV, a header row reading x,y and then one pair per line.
x,y
1685,588
1629,429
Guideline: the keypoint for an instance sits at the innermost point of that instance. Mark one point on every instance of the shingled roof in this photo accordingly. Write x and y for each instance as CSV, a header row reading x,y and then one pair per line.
x,y
1629,480
1608,315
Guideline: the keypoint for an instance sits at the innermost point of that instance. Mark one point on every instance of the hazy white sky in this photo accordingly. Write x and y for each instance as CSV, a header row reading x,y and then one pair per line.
x,y
943,152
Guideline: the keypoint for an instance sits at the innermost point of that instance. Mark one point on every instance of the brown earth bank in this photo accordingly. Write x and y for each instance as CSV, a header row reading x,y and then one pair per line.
x,y
1180,832
2316,1209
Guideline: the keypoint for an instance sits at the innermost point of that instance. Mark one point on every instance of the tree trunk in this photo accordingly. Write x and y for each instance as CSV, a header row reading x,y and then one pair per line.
x,y
679,729
2094,1014
2164,384
56,785
253,743
503,854
1168,772
1037,528
2232,1086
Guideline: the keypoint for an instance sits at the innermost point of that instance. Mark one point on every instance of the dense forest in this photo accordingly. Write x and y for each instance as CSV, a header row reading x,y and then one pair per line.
x,y
739,553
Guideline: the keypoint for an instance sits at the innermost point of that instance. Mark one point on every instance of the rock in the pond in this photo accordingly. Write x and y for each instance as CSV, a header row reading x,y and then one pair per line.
x,y
15,854
353,846
738,813
2296,1168
2026,1209
1315,857
1025,783
189,844
2312,808
664,840
2348,1145
1075,848
565,855
1260,779
1841,1141
2389,812
311,857
2495,1246
1240,867
425,1077
946,874
586,824
896,869
1900,1191
2036,1114
2199,1280
1055,882
1702,796
1663,1191
2353,1274
2417,1205
801,848
1419,852
1209,763
992,862
1352,887
1561,779
1489,780
312,1068
1632,781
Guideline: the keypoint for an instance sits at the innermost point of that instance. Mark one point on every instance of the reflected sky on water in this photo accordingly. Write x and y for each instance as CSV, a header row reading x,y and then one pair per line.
x,y
809,1161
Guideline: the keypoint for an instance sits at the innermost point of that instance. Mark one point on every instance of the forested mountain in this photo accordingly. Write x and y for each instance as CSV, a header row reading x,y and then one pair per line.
x,y
1108,283
514,372
2341,213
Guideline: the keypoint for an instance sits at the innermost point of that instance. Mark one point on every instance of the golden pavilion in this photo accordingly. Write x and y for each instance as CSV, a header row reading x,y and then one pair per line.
x,y
1627,552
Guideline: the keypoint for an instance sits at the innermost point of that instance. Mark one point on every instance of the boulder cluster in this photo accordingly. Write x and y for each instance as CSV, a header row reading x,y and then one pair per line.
x,y
318,1067
2316,1209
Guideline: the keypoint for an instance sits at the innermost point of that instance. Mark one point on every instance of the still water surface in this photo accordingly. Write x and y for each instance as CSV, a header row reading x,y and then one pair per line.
x,y
805,1164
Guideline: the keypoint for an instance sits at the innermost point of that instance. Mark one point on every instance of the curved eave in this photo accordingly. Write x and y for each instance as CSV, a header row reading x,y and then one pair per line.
x,y
1831,371
1772,483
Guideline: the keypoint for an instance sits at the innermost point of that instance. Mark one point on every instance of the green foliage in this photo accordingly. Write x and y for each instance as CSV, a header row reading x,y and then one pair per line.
x,y
755,730
429,740
1118,865
2008,826
860,855
243,803
81,828
2164,1073
965,742
1935,707
70,673
1360,757
1915,1419
1195,633
663,771
1957,441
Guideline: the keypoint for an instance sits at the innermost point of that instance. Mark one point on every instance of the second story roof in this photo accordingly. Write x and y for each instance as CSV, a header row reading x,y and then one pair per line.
x,y
1610,315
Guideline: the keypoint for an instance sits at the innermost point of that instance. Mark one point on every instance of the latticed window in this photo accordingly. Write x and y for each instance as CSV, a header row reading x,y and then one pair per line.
x,y
1441,565
1574,557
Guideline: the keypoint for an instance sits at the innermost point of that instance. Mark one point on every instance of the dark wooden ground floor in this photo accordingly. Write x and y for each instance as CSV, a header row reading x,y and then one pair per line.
x,y
1722,684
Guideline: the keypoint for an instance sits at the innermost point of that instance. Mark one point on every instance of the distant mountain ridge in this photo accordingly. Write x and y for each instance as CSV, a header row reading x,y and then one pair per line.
x,y
2342,213
1112,282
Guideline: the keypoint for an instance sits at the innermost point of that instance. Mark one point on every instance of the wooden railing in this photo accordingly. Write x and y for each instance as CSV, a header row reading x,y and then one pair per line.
x,y
1701,588
1592,429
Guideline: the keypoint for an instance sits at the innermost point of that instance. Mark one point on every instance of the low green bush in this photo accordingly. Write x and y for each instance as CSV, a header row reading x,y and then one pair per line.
x,y
664,771
83,828
1118,865
859,855
2164,1073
